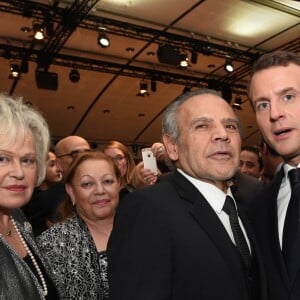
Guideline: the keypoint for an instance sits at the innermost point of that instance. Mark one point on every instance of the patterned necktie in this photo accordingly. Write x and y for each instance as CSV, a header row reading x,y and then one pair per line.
x,y
239,238
291,229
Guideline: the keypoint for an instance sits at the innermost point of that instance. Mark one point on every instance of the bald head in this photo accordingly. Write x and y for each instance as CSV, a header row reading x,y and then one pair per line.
x,y
68,146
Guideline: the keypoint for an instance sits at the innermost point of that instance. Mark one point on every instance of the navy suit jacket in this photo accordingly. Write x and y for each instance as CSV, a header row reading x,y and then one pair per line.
x,y
168,243
265,222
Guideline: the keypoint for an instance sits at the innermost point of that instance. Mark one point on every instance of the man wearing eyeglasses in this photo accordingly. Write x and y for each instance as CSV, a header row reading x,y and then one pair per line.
x,y
67,149
47,201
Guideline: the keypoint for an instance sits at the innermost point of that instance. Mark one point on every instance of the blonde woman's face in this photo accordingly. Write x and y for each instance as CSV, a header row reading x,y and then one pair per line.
x,y
18,170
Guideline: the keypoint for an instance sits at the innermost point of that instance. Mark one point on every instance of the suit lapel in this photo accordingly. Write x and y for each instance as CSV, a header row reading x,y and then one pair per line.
x,y
272,224
206,217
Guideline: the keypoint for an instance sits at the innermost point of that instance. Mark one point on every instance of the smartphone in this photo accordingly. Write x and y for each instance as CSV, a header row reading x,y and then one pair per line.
x,y
149,160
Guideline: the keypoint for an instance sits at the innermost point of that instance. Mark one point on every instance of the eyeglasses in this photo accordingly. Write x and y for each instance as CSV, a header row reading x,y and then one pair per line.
x,y
74,153
118,158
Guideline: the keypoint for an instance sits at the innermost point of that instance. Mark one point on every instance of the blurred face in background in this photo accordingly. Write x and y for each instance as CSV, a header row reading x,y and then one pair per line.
x,y
67,149
94,190
119,158
53,174
249,164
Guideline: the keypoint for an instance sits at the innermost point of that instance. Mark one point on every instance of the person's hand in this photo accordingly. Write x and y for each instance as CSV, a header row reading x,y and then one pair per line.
x,y
143,177
148,176
159,151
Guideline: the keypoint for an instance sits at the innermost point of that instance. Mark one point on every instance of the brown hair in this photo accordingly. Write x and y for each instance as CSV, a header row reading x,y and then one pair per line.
x,y
273,59
128,156
255,149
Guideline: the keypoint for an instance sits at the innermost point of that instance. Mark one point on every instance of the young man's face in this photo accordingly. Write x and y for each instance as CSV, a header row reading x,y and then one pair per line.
x,y
275,94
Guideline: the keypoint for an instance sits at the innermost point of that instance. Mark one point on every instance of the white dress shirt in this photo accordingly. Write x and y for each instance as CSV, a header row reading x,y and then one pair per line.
x,y
283,200
216,199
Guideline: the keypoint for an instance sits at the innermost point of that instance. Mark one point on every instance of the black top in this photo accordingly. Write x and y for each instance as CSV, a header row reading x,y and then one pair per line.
x,y
42,207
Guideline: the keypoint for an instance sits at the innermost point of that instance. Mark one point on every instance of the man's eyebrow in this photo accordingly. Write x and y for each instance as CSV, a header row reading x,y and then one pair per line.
x,y
286,90
279,93
201,119
233,120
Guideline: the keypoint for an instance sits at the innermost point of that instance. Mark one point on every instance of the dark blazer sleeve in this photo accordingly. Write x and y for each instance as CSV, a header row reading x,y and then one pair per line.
x,y
139,258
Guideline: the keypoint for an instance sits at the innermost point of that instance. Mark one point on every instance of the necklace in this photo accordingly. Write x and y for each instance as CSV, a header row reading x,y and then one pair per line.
x,y
8,230
42,279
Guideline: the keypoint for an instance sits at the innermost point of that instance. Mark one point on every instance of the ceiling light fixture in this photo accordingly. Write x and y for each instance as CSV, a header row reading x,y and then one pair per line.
x,y
24,66
14,70
38,30
186,89
143,89
153,85
184,61
74,75
103,40
130,49
194,57
237,103
150,53
49,28
228,65
226,92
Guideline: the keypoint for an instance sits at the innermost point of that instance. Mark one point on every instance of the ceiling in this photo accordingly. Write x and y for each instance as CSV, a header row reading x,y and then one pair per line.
x,y
104,104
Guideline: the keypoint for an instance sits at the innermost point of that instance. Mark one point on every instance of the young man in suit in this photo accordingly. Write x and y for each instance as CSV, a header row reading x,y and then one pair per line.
x,y
174,240
274,91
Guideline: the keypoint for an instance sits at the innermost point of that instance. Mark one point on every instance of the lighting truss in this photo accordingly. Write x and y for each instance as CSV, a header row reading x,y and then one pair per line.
x,y
121,69
74,16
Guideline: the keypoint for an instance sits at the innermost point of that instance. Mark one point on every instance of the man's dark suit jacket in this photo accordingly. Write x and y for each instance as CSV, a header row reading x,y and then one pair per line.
x,y
246,189
265,221
168,243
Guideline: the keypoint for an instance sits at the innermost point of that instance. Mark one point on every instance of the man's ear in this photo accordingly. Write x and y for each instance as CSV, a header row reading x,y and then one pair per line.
x,y
171,147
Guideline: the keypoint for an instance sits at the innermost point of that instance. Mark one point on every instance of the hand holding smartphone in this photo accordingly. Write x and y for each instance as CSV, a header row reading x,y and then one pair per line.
x,y
149,160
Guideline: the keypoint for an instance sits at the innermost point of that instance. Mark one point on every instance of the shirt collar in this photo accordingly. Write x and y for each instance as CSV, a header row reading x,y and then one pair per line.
x,y
287,168
214,196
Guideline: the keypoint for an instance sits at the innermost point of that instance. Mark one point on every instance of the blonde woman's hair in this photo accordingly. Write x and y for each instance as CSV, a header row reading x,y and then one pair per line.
x,y
17,117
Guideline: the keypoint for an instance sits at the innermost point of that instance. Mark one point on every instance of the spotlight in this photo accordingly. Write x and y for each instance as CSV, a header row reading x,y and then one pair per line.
x,y
213,84
226,92
74,75
14,70
143,89
184,61
167,54
237,103
186,89
49,28
24,66
38,30
228,65
194,57
103,40
153,85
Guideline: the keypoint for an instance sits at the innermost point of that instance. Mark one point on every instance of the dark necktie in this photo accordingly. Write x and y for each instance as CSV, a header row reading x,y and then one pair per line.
x,y
291,229
238,235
